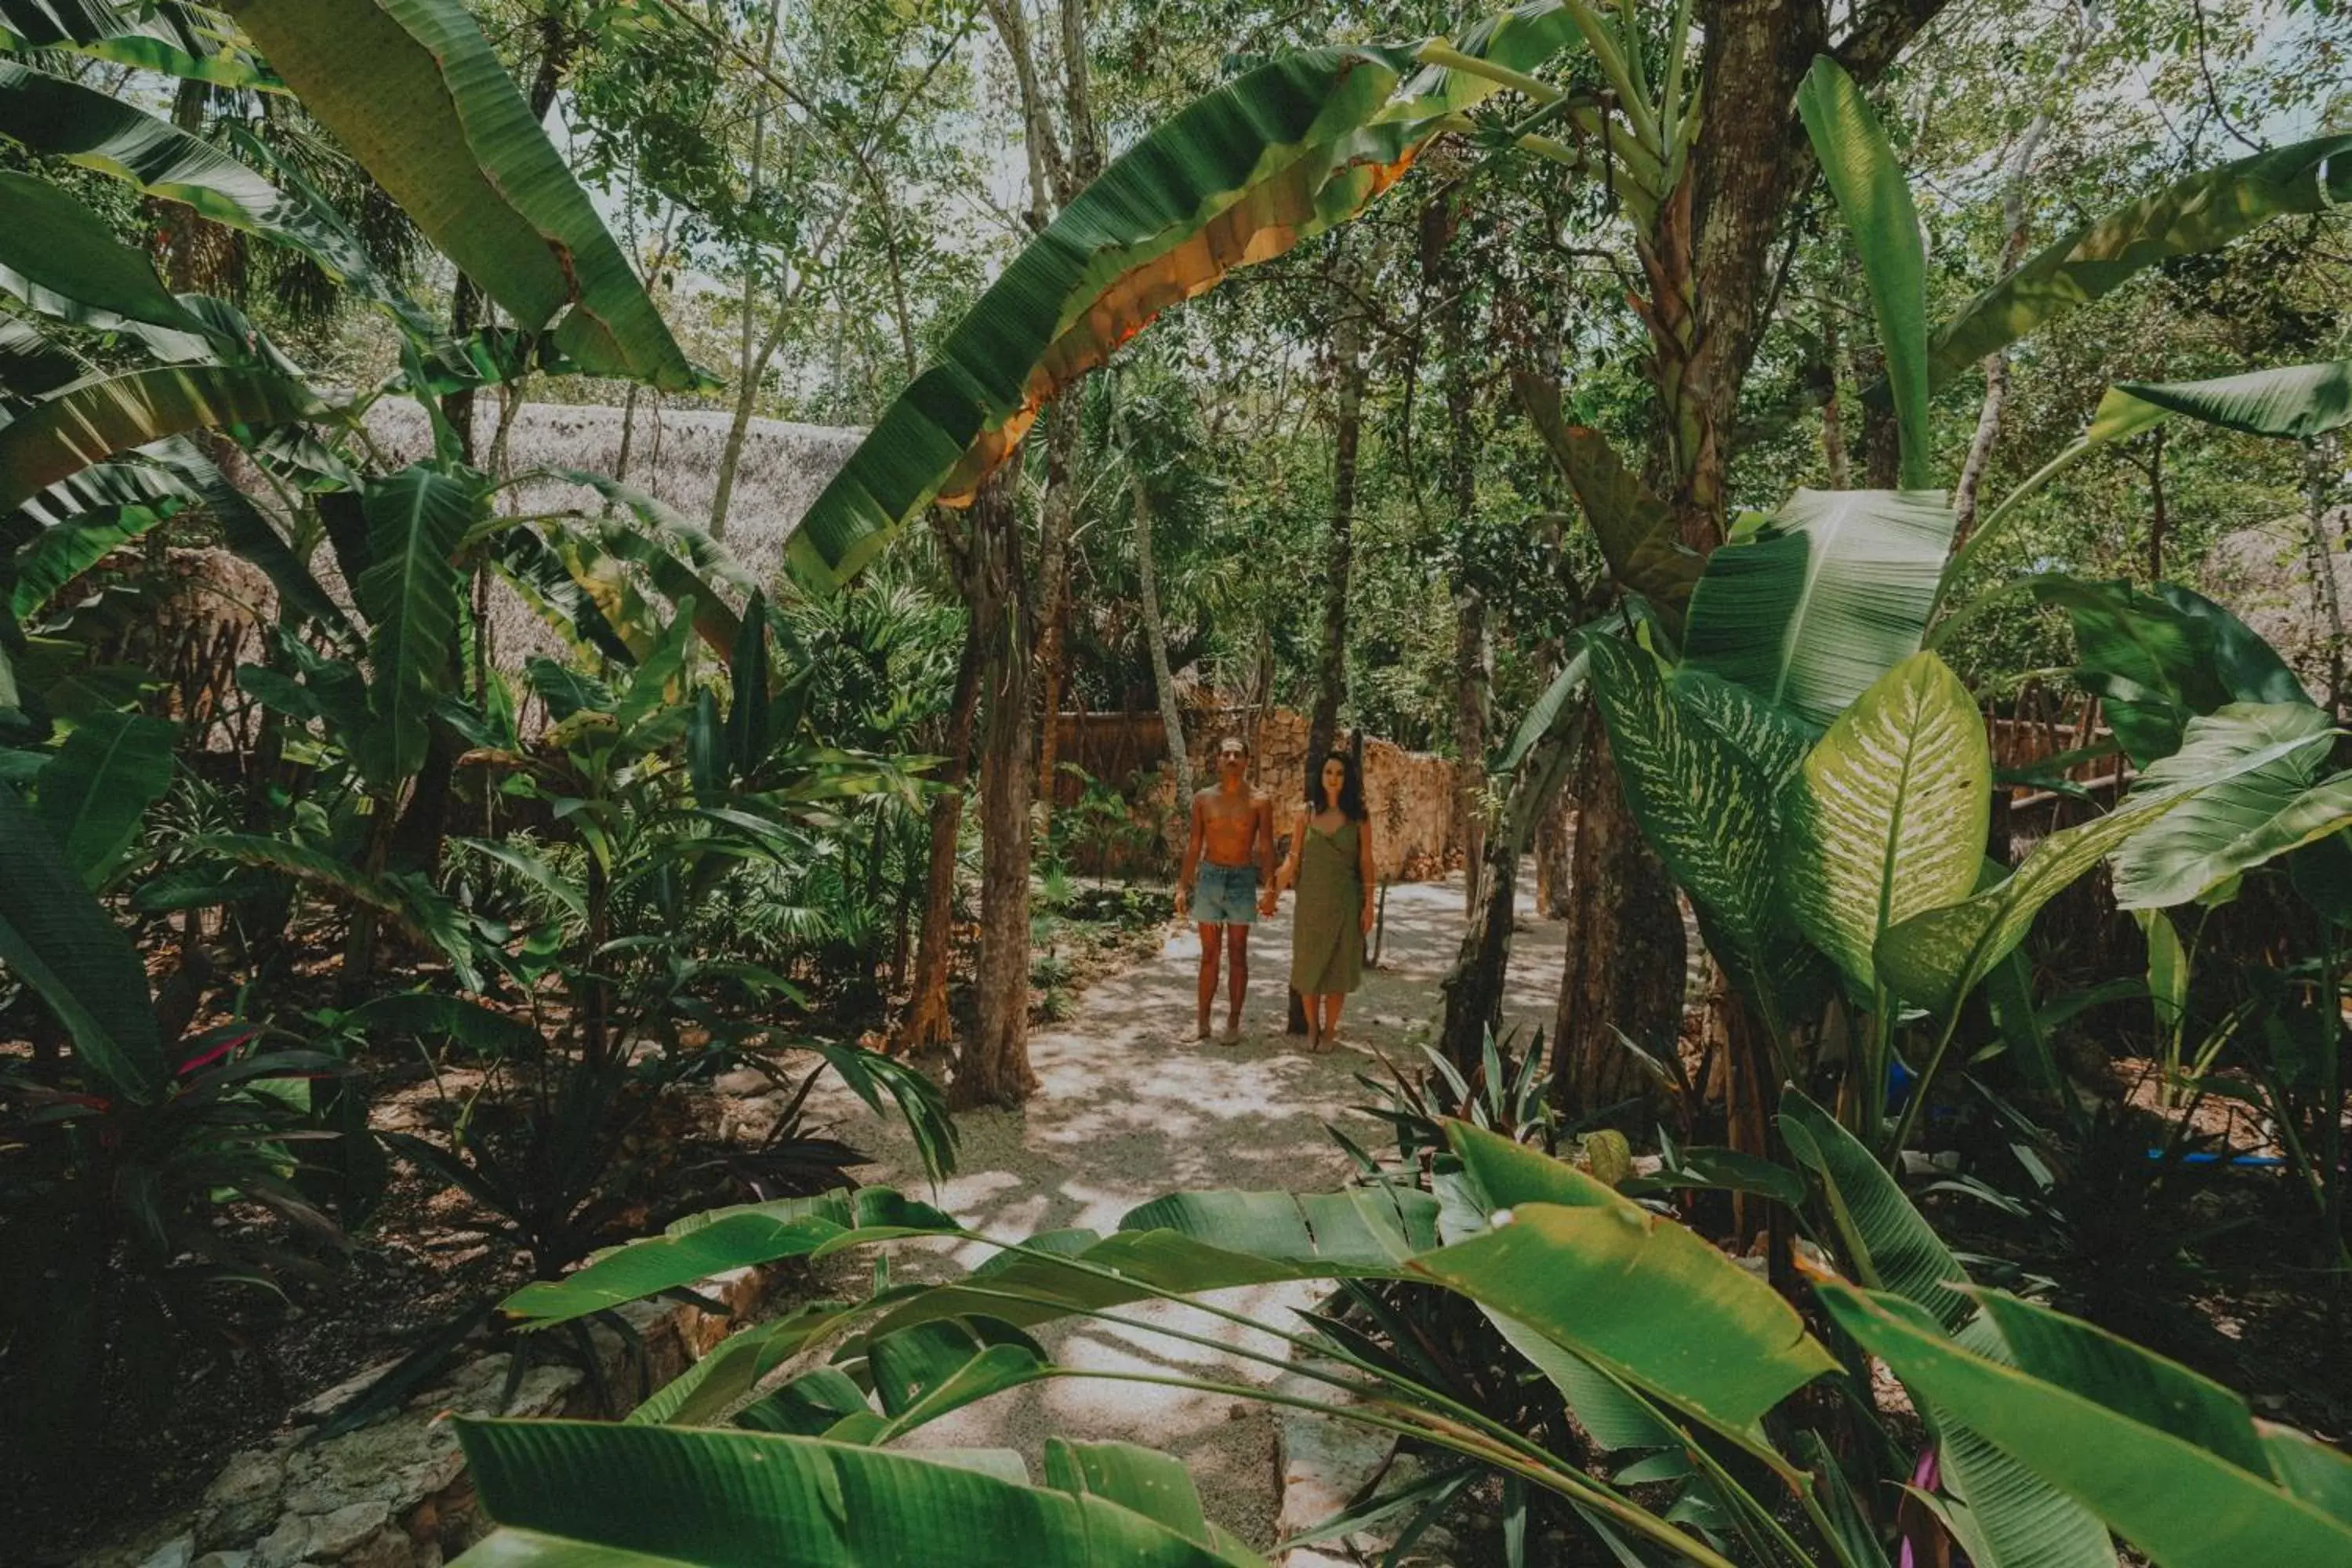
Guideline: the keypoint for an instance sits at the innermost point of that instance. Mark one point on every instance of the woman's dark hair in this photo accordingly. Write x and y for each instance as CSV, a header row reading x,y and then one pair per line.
x,y
1351,788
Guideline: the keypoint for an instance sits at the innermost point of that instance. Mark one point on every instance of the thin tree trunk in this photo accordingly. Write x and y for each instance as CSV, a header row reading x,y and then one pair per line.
x,y
1474,988
2158,521
1834,438
1054,524
749,362
2316,467
1347,424
1625,955
1155,630
1471,658
2016,234
994,1067
926,1022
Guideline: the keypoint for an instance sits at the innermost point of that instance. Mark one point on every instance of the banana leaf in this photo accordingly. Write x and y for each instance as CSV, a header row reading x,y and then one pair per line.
x,y
412,595
2201,212
96,789
1829,596
2016,1519
2172,1463
2247,770
62,943
1636,530
415,91
53,242
706,1244
65,119
87,424
1875,200
1285,151
571,1492
2297,402
1888,816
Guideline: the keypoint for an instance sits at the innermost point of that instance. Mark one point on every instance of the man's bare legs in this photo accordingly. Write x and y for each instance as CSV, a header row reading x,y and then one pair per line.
x,y
1237,981
1211,944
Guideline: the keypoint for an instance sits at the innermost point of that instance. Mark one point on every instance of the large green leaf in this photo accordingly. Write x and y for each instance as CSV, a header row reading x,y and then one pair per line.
x,y
2246,771
2139,1442
706,1244
1875,200
1889,814
1890,1244
1938,956
56,243
412,595
2160,656
89,512
1701,795
621,1496
1636,529
96,789
63,552
87,424
60,942
2295,402
2199,212
1644,1298
1282,152
1556,708
415,91
67,120
1833,594
2017,1520
1191,1242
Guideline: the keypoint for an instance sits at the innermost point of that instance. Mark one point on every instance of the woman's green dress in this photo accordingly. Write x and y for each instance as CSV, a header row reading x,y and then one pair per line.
x,y
1326,943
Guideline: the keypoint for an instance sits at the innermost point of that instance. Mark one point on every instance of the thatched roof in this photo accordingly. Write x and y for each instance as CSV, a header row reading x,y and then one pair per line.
x,y
672,456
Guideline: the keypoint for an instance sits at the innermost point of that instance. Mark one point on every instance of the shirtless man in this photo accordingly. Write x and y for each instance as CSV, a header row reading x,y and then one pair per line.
x,y
1229,856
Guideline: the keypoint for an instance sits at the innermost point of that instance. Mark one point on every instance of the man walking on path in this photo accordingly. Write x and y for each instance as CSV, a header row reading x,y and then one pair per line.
x,y
1229,859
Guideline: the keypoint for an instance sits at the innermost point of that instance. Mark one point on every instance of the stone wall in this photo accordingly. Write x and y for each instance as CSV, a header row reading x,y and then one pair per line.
x,y
1410,795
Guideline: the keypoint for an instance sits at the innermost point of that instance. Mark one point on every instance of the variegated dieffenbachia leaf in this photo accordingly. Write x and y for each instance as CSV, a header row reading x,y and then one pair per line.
x,y
1888,815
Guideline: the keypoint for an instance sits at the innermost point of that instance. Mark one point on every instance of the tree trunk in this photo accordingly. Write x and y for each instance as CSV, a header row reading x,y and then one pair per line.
x,y
1626,954
749,362
1473,988
1054,521
1155,631
1471,678
2316,467
994,1067
2159,519
2015,235
1347,424
1472,672
926,1022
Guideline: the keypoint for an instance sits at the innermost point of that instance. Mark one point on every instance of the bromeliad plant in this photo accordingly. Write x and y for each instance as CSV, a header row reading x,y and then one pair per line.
x,y
1686,1370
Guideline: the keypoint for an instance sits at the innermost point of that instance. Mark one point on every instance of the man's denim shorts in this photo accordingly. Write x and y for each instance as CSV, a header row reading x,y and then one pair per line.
x,y
1224,895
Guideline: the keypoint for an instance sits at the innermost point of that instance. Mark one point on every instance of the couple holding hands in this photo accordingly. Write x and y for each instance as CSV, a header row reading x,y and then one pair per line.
x,y
1229,879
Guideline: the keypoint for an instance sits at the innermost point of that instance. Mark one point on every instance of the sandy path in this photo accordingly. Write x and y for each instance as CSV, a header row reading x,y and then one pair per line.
x,y
1132,1109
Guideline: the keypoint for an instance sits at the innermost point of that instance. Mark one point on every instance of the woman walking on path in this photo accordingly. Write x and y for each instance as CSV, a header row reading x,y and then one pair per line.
x,y
1330,864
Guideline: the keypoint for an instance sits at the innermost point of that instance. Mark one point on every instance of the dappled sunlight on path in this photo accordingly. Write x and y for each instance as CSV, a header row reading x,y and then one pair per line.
x,y
1132,1108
